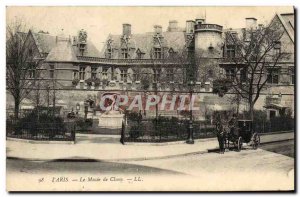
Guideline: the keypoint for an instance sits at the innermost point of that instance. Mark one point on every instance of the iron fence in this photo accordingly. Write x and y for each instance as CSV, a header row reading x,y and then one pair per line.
x,y
167,131
151,131
41,131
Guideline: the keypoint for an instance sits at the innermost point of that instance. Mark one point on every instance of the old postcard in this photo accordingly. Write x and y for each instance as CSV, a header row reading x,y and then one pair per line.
x,y
150,98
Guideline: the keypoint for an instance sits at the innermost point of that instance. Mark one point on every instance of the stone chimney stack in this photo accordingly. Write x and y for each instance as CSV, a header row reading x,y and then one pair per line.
x,y
251,23
157,29
173,26
127,29
190,27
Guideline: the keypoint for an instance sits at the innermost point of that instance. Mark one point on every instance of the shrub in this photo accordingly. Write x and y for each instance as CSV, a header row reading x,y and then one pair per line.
x,y
41,123
84,124
134,116
97,81
75,82
89,81
136,131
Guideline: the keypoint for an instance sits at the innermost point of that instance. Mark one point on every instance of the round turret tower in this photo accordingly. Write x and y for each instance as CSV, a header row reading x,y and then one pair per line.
x,y
208,39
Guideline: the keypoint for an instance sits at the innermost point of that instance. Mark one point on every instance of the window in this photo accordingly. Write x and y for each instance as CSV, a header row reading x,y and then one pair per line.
x,y
109,53
51,71
75,74
170,74
94,72
277,47
104,73
230,51
140,55
156,74
31,71
125,53
292,74
136,75
123,75
243,75
157,53
81,72
30,52
273,75
210,73
172,53
230,73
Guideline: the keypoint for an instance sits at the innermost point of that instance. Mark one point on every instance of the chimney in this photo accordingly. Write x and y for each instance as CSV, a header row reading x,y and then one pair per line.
x,y
127,29
190,27
157,29
173,26
251,23
260,26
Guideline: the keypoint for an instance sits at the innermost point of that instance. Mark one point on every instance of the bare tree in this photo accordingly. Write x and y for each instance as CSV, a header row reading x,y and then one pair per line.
x,y
256,54
21,63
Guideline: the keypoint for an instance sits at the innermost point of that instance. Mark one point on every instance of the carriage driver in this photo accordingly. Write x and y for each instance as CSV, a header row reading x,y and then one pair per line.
x,y
232,124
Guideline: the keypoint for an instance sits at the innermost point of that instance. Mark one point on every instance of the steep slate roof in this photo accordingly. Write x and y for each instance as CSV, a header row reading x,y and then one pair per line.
x,y
287,20
46,42
62,52
144,42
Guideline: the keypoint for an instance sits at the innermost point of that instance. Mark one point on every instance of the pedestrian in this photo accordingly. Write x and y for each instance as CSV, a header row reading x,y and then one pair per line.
x,y
220,133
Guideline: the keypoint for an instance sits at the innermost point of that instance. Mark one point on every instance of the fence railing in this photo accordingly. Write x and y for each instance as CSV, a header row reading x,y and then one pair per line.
x,y
151,131
41,131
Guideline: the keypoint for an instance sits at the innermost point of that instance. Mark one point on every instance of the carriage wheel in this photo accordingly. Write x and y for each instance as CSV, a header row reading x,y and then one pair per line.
x,y
255,141
239,144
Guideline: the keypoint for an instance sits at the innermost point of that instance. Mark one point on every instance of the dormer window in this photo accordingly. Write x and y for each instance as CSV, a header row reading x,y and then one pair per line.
x,y
172,53
109,53
139,54
277,47
157,53
125,53
230,51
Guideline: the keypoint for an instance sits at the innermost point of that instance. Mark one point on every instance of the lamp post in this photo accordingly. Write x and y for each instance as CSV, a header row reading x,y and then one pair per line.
x,y
86,108
190,140
77,108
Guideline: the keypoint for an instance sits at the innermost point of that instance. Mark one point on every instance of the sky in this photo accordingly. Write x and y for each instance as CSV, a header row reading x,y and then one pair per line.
x,y
99,22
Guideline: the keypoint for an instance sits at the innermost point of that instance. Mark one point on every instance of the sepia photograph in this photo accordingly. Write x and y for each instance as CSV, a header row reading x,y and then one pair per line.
x,y
150,98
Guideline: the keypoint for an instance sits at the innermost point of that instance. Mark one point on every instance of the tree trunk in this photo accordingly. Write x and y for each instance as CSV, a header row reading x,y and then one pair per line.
x,y
251,110
17,108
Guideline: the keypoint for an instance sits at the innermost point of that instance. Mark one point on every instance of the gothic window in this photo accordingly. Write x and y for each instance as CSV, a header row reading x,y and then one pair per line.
x,y
273,75
210,73
109,53
104,73
171,53
170,74
125,53
51,71
230,51
230,73
243,75
75,74
136,75
94,72
123,75
32,72
156,74
139,54
277,47
81,72
157,53
292,74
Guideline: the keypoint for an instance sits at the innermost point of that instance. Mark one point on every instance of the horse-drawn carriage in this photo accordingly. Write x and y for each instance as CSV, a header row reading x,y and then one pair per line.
x,y
241,133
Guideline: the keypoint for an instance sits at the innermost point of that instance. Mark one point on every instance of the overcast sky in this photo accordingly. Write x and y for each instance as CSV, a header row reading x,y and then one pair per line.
x,y
99,22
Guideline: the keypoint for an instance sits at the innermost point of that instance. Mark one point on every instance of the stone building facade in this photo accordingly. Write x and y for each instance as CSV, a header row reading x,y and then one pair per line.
x,y
74,70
